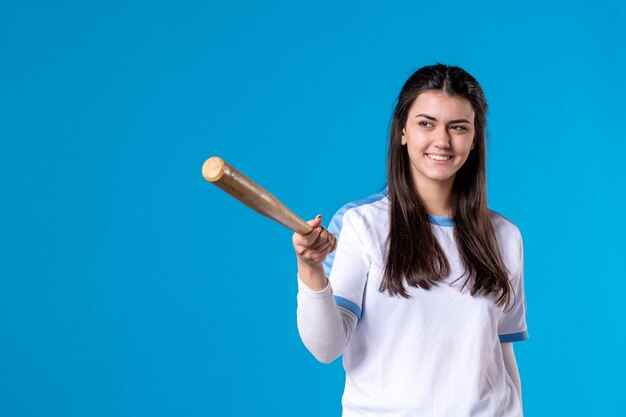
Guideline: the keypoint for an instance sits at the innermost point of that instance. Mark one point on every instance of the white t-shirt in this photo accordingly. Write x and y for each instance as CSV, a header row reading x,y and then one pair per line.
x,y
436,353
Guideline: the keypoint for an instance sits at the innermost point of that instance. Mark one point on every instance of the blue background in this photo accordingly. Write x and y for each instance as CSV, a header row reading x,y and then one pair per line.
x,y
131,286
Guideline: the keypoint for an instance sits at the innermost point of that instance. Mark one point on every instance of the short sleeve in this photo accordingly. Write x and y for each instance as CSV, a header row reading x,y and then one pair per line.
x,y
348,266
512,326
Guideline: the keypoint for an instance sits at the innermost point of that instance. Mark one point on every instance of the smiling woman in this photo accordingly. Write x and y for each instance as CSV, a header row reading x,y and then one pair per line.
x,y
425,292
439,137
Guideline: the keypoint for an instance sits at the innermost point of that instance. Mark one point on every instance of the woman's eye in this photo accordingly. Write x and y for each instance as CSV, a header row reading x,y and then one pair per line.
x,y
424,124
458,128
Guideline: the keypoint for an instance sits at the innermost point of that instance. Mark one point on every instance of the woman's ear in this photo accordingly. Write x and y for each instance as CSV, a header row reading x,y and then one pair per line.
x,y
403,139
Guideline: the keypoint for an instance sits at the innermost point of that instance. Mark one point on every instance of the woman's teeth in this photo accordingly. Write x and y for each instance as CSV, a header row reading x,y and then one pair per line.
x,y
439,157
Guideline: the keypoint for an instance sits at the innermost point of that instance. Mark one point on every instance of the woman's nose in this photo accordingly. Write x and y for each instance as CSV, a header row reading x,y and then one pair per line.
x,y
443,139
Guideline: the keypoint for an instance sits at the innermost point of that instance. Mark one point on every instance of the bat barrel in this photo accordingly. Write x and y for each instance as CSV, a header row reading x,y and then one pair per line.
x,y
220,173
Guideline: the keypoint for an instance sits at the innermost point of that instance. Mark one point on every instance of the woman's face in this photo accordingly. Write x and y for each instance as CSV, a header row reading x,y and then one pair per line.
x,y
439,135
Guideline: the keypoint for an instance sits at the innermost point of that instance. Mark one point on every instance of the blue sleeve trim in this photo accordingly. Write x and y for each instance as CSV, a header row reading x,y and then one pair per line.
x,y
336,223
348,305
514,337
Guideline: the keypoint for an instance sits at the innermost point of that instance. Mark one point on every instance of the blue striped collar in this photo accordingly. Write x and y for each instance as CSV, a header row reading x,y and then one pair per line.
x,y
441,220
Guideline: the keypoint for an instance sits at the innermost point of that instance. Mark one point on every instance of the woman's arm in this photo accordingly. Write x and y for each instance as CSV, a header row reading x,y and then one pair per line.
x,y
511,366
311,250
324,328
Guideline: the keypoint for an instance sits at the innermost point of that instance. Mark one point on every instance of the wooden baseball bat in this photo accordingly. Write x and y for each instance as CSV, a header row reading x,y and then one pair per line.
x,y
220,173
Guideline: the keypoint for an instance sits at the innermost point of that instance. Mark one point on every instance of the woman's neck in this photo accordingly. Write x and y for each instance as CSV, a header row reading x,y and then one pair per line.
x,y
437,196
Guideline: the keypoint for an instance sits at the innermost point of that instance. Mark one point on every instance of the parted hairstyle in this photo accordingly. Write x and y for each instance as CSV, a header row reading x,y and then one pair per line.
x,y
415,257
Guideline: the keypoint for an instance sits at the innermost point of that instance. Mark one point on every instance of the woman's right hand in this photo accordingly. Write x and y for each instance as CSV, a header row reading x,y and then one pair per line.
x,y
313,248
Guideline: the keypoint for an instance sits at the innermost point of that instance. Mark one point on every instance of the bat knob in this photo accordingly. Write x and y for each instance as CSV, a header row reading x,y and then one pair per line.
x,y
213,168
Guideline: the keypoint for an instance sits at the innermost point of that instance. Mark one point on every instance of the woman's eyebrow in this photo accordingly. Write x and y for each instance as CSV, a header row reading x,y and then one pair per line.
x,y
435,119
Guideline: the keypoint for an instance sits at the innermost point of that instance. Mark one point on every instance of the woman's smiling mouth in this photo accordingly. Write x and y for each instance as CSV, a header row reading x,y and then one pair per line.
x,y
436,157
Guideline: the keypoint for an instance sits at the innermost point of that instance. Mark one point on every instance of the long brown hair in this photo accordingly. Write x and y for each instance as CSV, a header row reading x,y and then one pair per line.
x,y
415,257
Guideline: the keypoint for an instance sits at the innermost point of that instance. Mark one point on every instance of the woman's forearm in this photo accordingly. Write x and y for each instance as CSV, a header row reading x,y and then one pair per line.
x,y
511,366
313,277
324,328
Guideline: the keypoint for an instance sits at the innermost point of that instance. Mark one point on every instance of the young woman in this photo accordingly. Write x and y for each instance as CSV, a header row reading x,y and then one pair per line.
x,y
424,293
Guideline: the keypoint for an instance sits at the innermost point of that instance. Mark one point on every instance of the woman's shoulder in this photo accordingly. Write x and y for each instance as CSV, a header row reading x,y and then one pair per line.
x,y
367,211
504,227
509,240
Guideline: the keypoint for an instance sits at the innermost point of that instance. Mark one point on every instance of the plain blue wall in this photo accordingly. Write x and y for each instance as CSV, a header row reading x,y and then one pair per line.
x,y
130,286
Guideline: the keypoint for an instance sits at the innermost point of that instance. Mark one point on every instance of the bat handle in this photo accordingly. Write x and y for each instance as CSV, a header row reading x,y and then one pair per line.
x,y
302,227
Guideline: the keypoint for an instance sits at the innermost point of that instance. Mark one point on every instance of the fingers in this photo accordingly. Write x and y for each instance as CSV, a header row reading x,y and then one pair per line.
x,y
314,247
310,239
316,222
322,240
313,241
319,237
328,244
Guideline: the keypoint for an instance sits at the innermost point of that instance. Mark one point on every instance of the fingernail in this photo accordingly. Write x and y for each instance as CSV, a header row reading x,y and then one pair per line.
x,y
319,216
